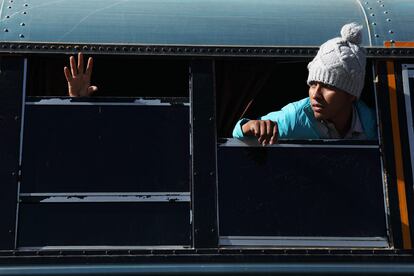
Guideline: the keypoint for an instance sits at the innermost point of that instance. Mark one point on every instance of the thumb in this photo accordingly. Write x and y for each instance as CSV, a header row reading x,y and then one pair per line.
x,y
92,90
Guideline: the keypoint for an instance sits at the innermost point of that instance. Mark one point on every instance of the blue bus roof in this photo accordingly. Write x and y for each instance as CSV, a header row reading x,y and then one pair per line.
x,y
202,22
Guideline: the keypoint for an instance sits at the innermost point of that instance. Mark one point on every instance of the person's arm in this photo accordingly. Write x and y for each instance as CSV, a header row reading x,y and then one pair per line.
x,y
269,128
78,78
265,131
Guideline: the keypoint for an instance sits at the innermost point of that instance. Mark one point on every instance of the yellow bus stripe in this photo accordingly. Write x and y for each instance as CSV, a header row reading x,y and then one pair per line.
x,y
402,198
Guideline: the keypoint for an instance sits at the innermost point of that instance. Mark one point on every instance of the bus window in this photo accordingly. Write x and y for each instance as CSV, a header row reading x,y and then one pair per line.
x,y
408,83
114,76
100,171
314,193
252,89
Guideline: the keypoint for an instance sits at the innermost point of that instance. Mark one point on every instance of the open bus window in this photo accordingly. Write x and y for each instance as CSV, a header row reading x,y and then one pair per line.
x,y
306,193
252,89
106,154
115,76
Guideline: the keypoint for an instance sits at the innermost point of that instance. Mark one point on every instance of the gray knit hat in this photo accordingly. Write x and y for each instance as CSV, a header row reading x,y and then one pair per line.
x,y
340,62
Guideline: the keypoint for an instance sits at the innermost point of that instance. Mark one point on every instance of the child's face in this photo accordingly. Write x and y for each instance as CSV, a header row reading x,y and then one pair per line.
x,y
329,103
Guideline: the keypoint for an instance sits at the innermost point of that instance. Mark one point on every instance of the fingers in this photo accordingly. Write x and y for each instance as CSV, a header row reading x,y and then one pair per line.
x,y
89,67
275,135
80,63
67,74
264,130
73,66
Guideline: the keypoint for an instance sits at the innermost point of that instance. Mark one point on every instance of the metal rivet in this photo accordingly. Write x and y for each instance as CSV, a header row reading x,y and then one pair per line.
x,y
374,23
22,24
21,35
389,19
385,12
24,12
382,5
370,8
372,14
26,5
376,35
366,3
392,41
391,31
6,30
9,7
7,16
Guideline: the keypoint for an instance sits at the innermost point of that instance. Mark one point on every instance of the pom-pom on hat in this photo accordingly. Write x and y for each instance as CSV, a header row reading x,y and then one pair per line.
x,y
340,62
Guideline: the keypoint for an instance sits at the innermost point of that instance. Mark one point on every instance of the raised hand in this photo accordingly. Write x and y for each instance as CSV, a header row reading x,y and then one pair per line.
x,y
78,79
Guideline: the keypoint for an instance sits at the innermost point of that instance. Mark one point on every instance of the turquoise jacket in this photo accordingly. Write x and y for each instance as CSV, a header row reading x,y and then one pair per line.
x,y
296,121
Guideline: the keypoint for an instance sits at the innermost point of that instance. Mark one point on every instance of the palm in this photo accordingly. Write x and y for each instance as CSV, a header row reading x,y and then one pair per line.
x,y
79,79
78,85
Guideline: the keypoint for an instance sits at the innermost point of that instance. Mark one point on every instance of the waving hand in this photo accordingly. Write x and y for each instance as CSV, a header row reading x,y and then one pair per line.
x,y
79,79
